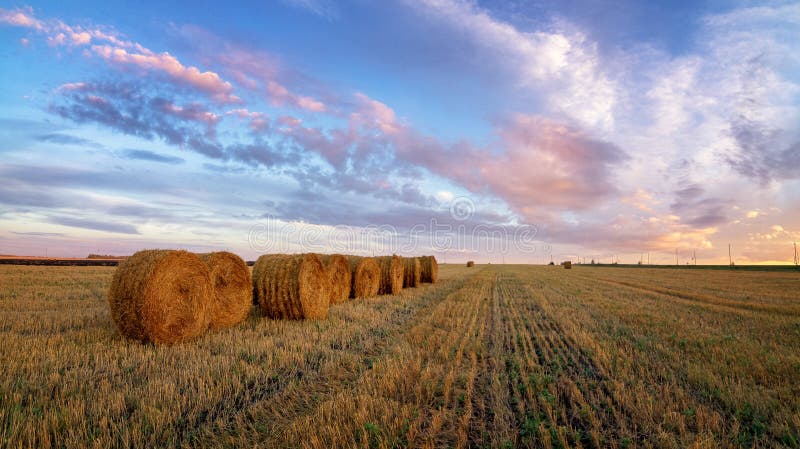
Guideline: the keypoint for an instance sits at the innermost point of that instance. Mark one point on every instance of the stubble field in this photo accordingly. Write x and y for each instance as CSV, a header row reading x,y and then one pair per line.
x,y
491,356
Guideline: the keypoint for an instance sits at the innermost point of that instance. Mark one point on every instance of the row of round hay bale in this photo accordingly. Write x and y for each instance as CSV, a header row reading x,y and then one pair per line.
x,y
233,294
365,276
470,264
161,296
412,272
430,269
391,274
292,286
339,276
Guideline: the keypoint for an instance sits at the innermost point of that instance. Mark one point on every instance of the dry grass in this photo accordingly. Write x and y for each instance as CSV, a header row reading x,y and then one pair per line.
x,y
161,296
492,356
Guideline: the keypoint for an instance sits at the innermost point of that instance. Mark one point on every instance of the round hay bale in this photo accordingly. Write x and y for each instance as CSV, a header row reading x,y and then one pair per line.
x,y
430,269
233,293
391,274
339,276
292,286
161,296
412,272
470,264
366,276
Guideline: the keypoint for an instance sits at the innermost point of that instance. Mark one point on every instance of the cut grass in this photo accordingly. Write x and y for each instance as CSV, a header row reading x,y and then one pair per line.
x,y
492,356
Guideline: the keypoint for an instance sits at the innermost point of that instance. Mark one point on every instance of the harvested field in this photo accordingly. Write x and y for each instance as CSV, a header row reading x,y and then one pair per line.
x,y
490,356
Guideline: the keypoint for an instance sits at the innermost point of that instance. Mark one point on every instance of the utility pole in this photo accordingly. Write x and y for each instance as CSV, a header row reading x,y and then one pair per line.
x,y
676,256
648,258
796,259
694,256
730,257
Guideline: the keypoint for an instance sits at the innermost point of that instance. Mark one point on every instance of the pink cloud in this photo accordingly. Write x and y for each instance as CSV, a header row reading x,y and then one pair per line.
x,y
194,112
279,95
208,82
21,18
256,70
549,163
258,121
122,52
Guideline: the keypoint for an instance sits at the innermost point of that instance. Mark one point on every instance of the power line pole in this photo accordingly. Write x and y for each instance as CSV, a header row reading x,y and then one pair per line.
x,y
676,256
796,260
694,256
730,257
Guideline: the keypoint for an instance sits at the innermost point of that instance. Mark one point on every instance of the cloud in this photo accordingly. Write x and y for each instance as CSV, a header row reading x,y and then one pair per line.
x,y
547,163
323,8
66,139
124,107
208,82
39,234
562,65
145,155
262,73
94,225
759,153
123,53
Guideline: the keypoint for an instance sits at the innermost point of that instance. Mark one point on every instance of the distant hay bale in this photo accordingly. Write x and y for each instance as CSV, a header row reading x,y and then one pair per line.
x,y
161,296
292,286
412,272
366,276
567,265
391,274
470,264
430,269
233,294
339,276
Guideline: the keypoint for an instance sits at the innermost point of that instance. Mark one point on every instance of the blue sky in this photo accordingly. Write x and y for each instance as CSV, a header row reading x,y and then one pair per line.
x,y
604,128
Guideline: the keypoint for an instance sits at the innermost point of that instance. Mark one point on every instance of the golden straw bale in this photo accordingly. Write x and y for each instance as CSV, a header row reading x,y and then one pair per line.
x,y
412,272
366,276
292,286
430,269
161,296
470,264
391,274
339,276
233,290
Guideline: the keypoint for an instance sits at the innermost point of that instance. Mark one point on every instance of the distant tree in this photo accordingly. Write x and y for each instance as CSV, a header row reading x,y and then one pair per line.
x,y
551,263
592,261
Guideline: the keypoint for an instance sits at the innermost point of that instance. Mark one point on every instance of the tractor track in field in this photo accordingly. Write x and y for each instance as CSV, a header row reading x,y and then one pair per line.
x,y
559,387
697,299
294,384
